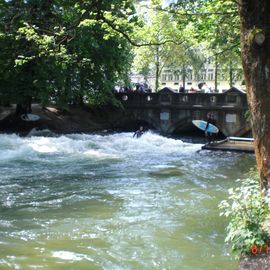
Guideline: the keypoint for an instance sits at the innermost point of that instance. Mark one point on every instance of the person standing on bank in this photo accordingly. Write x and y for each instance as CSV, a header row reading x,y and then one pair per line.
x,y
209,135
138,133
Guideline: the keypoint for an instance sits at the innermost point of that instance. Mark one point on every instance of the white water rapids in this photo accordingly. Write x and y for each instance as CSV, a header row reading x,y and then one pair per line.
x,y
113,202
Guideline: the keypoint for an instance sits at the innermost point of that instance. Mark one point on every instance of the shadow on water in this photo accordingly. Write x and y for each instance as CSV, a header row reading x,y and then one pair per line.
x,y
170,171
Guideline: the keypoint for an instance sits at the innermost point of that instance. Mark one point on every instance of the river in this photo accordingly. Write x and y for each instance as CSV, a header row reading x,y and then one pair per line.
x,y
113,202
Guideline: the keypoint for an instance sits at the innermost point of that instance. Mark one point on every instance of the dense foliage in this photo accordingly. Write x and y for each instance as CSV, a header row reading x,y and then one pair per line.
x,y
63,51
247,209
215,26
167,44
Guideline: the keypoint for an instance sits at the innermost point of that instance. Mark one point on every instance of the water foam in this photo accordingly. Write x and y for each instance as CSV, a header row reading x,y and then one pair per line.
x,y
121,145
70,256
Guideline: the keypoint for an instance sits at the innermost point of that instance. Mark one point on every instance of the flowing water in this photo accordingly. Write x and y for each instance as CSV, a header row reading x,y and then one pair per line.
x,y
114,202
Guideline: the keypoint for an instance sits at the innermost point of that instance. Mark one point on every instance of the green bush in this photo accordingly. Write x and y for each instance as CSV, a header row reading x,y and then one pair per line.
x,y
247,208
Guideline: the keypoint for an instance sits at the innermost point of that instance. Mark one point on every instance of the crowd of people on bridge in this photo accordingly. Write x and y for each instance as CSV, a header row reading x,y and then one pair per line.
x,y
202,88
138,88
145,88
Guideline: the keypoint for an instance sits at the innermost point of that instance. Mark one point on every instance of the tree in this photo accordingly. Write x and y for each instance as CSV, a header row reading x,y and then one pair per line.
x,y
214,25
255,43
62,51
205,27
165,42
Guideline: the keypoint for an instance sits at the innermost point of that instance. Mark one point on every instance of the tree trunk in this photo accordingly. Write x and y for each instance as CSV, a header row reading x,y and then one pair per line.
x,y
157,69
216,73
231,74
184,76
255,17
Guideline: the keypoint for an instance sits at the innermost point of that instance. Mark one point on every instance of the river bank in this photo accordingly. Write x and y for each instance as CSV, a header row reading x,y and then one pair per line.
x,y
75,120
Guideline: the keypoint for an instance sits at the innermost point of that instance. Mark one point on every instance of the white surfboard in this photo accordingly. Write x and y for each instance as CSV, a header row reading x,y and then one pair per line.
x,y
4,114
202,125
241,139
29,117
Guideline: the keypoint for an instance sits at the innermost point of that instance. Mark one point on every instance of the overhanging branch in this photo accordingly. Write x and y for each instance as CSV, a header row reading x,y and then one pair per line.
x,y
134,43
190,14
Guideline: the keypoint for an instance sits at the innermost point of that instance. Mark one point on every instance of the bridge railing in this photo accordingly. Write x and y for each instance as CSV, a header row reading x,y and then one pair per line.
x,y
183,99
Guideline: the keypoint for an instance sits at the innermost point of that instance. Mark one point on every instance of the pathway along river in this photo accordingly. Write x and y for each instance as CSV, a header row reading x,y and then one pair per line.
x,y
113,202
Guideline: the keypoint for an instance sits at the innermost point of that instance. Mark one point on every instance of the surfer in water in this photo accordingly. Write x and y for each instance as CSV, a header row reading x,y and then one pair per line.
x,y
138,133
209,135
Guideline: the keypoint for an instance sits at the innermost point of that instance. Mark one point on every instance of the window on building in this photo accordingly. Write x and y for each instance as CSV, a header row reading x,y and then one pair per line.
x,y
163,77
189,74
177,77
170,77
210,75
203,75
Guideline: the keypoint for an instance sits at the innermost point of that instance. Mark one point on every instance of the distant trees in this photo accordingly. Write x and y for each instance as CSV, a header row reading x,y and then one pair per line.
x,y
214,26
168,44
188,32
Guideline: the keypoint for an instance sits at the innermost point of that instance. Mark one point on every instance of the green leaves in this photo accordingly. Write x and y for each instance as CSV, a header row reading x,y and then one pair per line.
x,y
166,42
64,51
247,208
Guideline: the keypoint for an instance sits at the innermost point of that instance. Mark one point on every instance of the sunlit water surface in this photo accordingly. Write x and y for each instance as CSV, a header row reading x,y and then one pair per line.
x,y
114,202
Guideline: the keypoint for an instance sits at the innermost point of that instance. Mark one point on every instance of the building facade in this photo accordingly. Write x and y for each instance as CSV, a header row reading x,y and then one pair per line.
x,y
189,78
